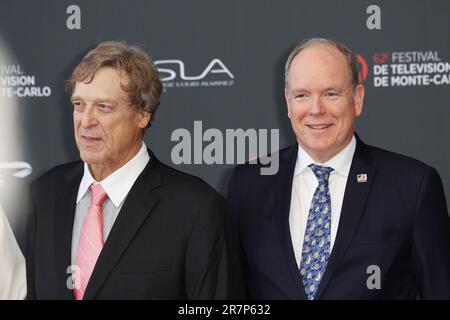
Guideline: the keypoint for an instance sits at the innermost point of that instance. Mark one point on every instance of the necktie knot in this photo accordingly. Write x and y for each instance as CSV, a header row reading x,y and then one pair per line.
x,y
98,195
322,173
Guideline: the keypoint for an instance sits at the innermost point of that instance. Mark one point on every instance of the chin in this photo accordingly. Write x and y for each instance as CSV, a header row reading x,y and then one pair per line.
x,y
90,157
318,144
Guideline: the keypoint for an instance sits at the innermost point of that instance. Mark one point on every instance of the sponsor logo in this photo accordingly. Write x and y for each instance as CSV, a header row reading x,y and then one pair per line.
x,y
175,74
364,69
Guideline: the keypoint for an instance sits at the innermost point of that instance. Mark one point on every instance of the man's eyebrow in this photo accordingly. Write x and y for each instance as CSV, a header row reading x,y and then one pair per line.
x,y
105,100
298,90
332,88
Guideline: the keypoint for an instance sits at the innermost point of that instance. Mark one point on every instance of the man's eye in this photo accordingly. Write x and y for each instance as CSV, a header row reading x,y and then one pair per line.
x,y
104,107
332,94
77,105
301,96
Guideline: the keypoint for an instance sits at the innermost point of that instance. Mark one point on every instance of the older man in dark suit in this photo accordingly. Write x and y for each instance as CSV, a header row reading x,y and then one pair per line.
x,y
120,224
340,219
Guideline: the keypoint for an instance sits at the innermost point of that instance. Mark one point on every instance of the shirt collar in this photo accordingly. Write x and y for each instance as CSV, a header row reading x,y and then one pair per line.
x,y
119,183
340,163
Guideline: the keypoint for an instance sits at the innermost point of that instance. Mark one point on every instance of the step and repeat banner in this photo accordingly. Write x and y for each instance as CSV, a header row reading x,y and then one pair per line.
x,y
221,63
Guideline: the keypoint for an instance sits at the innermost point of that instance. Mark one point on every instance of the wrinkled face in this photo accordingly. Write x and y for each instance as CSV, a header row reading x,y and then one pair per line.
x,y
322,105
107,128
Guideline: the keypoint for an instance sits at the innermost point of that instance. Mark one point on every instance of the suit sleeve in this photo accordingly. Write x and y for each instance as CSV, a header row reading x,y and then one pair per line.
x,y
29,256
234,204
212,267
432,239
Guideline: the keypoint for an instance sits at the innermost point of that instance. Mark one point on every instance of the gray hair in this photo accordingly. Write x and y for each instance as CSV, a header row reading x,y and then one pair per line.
x,y
351,58
144,88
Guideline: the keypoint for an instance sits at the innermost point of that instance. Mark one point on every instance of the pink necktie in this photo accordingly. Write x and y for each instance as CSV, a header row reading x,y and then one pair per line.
x,y
91,240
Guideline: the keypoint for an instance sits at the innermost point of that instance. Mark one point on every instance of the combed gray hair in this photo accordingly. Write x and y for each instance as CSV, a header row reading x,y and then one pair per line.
x,y
351,58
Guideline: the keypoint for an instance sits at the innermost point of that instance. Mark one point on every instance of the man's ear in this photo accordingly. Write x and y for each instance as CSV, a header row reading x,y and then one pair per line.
x,y
144,119
288,102
358,99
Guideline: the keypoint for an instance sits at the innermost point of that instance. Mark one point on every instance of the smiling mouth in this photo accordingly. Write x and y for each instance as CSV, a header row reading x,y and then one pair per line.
x,y
319,126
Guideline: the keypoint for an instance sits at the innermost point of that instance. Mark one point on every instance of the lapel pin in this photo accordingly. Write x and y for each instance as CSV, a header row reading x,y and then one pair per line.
x,y
361,178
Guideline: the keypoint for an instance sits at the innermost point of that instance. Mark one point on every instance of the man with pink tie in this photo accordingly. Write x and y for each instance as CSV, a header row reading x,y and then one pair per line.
x,y
120,224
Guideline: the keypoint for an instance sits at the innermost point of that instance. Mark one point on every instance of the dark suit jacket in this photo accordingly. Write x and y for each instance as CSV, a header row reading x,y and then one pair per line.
x,y
171,240
397,220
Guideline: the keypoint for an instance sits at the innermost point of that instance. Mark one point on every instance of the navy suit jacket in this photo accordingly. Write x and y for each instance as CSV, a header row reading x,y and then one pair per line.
x,y
397,220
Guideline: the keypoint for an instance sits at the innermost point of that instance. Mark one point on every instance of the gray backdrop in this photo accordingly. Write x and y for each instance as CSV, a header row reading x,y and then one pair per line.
x,y
250,38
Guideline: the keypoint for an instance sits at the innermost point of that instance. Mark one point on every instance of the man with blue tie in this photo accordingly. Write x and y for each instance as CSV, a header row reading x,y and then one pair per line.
x,y
340,219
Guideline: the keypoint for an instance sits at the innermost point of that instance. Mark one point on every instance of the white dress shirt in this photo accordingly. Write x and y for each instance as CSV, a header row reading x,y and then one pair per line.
x,y
116,185
303,187
13,282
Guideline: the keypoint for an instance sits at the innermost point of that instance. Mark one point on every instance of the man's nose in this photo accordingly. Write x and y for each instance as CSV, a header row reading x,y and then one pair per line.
x,y
89,117
316,107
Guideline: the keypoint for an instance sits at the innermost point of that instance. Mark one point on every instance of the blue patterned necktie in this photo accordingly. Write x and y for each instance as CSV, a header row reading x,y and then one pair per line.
x,y
316,243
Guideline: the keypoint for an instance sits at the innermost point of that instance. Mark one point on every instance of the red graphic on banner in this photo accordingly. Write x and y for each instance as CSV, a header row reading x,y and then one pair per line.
x,y
364,70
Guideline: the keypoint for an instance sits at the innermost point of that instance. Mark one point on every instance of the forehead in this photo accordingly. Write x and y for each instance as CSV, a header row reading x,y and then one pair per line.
x,y
319,65
106,83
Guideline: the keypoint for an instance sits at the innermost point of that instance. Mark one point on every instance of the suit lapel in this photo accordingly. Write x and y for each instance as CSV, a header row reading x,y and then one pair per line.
x,y
136,208
352,207
283,190
64,217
